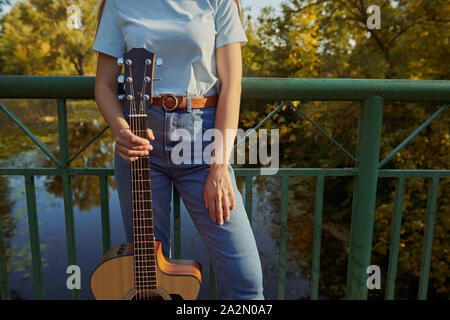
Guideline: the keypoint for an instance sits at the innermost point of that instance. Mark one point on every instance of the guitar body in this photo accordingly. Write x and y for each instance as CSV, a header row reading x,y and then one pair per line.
x,y
113,279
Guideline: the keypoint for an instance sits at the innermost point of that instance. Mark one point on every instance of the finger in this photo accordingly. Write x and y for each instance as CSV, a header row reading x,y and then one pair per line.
x,y
150,134
212,210
134,139
219,210
226,206
232,199
125,157
126,144
130,152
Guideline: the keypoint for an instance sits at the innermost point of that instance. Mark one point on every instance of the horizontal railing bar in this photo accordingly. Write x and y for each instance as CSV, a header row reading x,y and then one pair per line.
x,y
56,171
299,172
319,89
311,172
238,171
396,173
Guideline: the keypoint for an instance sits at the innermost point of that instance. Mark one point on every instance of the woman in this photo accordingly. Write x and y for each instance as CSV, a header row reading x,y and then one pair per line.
x,y
198,44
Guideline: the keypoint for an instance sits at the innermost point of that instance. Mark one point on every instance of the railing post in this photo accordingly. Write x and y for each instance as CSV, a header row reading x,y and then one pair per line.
x,y
364,197
67,188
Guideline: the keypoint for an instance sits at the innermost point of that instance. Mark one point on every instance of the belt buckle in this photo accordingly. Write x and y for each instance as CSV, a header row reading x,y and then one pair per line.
x,y
164,99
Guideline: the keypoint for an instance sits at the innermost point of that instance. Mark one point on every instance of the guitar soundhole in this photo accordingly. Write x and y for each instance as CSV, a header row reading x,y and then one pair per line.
x,y
147,295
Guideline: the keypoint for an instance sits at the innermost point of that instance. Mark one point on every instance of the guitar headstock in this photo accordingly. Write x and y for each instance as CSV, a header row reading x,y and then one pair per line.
x,y
139,65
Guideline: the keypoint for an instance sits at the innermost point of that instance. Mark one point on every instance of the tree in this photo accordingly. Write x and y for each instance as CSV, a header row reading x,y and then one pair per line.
x,y
330,38
37,40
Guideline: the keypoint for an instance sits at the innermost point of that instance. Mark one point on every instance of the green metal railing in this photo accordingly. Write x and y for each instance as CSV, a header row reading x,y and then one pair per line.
x,y
367,170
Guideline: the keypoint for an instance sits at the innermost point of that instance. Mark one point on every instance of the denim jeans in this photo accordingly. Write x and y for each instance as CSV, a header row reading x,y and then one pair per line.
x,y
232,246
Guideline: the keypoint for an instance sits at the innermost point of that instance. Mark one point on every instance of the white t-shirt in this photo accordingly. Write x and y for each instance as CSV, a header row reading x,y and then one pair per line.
x,y
183,33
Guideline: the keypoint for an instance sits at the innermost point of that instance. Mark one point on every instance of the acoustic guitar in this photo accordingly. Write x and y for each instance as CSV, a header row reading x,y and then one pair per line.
x,y
140,270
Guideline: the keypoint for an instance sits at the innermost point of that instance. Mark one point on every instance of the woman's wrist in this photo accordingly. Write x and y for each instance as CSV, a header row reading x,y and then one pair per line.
x,y
218,166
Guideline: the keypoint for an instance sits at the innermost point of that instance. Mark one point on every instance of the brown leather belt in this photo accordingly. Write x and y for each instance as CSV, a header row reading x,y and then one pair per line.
x,y
170,102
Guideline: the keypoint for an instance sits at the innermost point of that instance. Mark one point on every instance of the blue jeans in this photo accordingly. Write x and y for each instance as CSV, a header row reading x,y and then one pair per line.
x,y
232,245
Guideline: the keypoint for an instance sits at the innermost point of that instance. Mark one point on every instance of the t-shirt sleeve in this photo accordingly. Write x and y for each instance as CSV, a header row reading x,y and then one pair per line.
x,y
109,39
228,24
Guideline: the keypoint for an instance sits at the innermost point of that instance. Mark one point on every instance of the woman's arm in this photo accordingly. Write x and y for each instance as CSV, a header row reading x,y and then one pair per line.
x,y
129,146
218,186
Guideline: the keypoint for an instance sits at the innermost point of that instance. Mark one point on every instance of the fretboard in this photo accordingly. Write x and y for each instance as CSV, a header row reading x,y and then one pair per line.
x,y
143,230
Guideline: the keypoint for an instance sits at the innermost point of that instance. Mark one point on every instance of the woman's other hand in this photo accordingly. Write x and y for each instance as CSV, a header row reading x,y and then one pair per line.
x,y
218,189
130,147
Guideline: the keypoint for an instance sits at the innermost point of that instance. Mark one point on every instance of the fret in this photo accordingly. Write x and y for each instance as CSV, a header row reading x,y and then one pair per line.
x,y
141,275
139,228
144,263
145,274
140,245
138,115
146,268
145,248
145,255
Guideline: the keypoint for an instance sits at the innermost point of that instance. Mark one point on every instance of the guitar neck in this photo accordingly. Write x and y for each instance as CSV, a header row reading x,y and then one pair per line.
x,y
143,228
138,85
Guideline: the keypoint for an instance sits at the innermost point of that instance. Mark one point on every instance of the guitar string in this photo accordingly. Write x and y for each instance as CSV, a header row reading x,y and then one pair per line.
x,y
139,279
141,160
133,172
146,160
141,225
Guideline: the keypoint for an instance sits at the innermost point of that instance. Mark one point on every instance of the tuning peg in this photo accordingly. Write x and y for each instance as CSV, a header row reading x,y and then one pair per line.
x,y
147,79
129,79
159,61
129,62
120,61
120,79
121,96
146,97
148,61
130,97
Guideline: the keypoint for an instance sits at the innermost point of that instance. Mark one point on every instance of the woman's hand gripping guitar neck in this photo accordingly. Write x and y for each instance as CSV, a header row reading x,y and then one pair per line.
x,y
129,147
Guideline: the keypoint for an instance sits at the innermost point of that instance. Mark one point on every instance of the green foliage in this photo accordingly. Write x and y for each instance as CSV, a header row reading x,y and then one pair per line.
x,y
330,39
36,39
